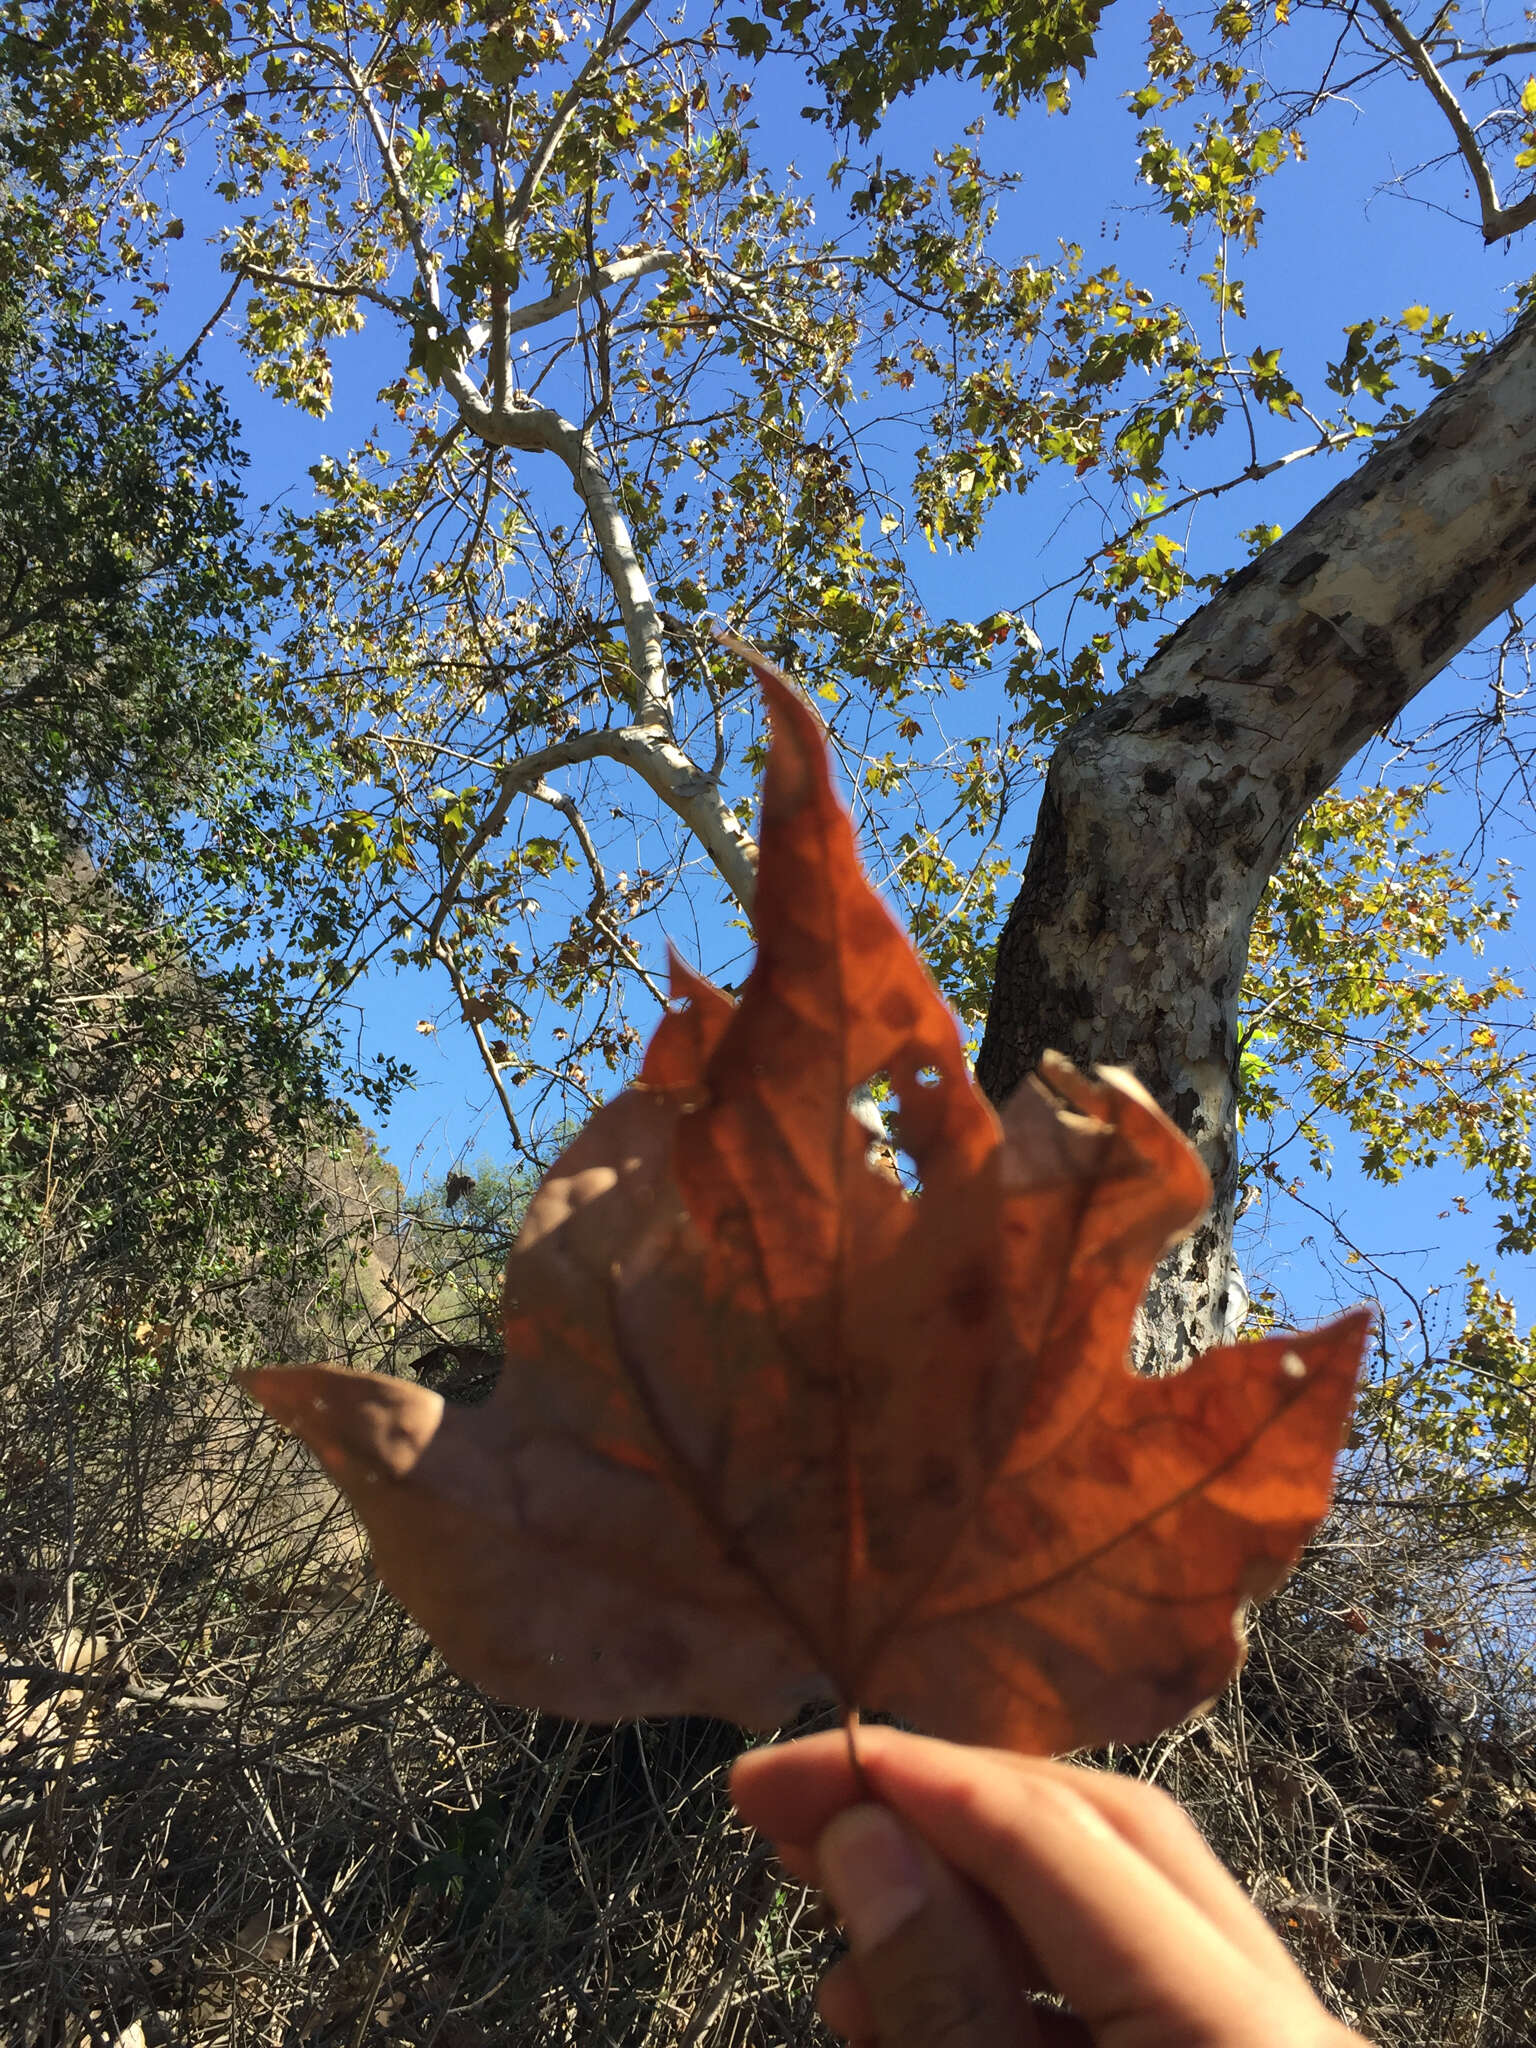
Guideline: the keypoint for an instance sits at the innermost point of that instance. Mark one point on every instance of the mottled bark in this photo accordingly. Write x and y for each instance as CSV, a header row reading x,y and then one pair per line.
x,y
1167,809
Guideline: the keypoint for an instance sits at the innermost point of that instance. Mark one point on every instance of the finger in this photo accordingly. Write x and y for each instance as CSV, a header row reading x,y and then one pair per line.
x,y
1164,1833
799,1864
1155,1825
1119,1940
806,1783
927,1964
793,1790
1061,2030
968,1805
800,1785
797,1860
1024,1968
844,2006
843,2002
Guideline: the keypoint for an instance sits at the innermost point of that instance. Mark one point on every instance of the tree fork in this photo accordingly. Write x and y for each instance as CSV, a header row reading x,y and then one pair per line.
x,y
1169,806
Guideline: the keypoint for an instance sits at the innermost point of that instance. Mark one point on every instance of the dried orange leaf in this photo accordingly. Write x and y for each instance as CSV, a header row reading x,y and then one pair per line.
x,y
769,1430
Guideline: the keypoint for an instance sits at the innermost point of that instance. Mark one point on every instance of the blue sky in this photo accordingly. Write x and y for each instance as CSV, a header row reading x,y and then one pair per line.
x,y
1340,244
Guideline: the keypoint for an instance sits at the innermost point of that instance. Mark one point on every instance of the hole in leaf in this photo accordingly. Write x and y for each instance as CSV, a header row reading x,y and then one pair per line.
x,y
929,1077
876,1108
908,1178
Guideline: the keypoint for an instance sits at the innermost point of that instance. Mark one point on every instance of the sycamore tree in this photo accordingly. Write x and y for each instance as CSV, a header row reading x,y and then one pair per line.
x,y
649,379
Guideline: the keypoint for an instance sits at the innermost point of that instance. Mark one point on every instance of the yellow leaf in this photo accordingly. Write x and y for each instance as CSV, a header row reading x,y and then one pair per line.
x,y
1415,317
1528,97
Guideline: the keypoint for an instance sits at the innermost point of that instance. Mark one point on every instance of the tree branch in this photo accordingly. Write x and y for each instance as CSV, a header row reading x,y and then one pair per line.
x,y
500,352
1498,221
682,786
648,746
563,114
515,423
1456,52
540,429
426,269
661,764
326,288
539,312
545,793
189,354
597,909
444,954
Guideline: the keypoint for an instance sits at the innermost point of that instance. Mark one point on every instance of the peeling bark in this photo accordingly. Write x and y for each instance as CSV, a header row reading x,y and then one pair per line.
x,y
1167,809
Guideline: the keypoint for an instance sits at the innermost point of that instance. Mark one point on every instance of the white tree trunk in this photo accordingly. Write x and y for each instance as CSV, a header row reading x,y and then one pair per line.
x,y
1167,809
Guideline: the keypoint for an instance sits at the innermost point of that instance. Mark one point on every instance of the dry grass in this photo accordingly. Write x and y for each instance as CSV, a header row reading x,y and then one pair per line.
x,y
1372,1780
241,1800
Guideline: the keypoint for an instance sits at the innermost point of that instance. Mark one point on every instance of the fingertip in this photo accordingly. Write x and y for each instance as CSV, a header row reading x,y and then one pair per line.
x,y
928,1963
744,1770
750,1783
790,1790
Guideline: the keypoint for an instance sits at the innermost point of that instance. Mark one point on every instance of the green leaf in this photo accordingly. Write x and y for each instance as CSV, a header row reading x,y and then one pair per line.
x,y
749,38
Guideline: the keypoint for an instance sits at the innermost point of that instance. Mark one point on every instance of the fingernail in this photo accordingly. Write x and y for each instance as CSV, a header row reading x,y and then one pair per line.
x,y
871,1868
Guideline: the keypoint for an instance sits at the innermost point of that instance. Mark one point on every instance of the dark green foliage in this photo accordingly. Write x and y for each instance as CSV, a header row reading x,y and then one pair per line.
x,y
146,1107
124,593
70,72
144,1097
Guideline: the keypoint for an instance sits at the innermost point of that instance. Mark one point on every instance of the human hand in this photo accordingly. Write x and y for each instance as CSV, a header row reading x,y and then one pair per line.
x,y
967,1879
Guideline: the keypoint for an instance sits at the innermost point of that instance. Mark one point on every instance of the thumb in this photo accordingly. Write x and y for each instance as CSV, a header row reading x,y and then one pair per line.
x,y
930,1969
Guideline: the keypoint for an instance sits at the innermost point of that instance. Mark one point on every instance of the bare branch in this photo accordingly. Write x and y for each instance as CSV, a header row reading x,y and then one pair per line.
x,y
661,764
189,354
498,334
1455,52
327,288
597,910
444,954
539,312
682,786
1498,221
557,799
630,957
540,429
426,268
